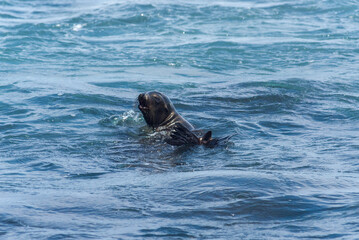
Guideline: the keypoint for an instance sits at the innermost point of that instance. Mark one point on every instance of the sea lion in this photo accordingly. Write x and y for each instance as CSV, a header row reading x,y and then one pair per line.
x,y
160,114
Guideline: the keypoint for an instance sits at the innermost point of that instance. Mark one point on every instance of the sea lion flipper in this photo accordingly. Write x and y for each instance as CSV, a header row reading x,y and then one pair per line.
x,y
213,142
207,137
208,141
180,135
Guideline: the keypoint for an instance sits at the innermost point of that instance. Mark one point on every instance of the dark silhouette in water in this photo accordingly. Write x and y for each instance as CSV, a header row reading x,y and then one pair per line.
x,y
160,114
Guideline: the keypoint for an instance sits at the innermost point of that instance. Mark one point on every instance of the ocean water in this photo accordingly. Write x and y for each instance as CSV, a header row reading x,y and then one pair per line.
x,y
77,161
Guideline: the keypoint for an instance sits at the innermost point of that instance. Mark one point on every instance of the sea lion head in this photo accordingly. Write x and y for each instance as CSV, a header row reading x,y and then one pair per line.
x,y
155,107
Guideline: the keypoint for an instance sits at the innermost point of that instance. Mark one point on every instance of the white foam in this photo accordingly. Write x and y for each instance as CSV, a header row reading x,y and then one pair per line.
x,y
78,27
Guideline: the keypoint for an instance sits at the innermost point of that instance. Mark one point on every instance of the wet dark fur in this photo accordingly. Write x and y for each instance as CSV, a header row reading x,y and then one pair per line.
x,y
160,114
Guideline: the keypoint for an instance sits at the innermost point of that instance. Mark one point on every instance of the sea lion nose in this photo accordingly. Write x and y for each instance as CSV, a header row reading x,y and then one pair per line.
x,y
142,99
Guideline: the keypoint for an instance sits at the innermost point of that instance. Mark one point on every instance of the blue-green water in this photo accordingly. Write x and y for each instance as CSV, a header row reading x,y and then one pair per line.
x,y
78,163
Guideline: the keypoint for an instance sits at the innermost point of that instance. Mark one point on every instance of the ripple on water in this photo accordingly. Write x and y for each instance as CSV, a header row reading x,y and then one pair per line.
x,y
77,160
77,98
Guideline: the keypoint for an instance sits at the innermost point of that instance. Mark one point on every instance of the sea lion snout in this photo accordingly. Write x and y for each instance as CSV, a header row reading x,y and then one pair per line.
x,y
143,101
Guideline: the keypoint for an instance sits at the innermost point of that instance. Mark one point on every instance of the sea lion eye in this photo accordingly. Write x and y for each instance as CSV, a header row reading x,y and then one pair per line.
x,y
157,99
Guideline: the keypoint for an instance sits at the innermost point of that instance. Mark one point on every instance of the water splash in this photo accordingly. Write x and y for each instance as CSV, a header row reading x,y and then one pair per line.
x,y
129,118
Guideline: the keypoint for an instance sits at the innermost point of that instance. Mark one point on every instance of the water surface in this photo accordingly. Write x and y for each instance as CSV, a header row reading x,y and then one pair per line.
x,y
78,162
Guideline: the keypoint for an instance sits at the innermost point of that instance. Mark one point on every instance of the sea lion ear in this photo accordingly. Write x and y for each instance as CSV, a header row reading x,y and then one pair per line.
x,y
167,107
